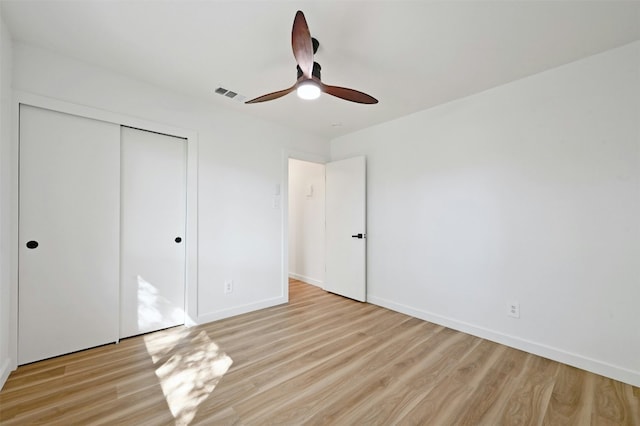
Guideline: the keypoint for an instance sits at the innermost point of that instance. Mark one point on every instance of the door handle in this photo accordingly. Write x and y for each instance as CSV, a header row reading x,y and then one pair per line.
x,y
359,236
32,244
178,240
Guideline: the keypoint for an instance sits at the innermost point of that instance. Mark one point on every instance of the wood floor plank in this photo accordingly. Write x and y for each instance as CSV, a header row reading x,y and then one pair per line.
x,y
440,402
74,383
307,358
357,380
39,413
632,395
340,355
530,395
609,407
320,359
252,350
424,362
572,397
478,407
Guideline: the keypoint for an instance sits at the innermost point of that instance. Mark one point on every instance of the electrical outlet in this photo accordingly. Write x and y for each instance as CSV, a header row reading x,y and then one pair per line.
x,y
513,309
228,286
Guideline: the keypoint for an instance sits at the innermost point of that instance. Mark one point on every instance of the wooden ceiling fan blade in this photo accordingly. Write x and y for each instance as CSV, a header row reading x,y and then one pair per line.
x,y
302,44
271,96
349,94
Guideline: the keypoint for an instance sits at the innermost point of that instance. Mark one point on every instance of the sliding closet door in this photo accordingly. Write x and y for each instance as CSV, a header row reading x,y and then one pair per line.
x,y
153,231
68,233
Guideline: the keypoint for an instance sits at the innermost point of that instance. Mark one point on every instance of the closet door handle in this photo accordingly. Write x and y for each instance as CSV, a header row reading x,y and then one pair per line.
x,y
32,244
178,240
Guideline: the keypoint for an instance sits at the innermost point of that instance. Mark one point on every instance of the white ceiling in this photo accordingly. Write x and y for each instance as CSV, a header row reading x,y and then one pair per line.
x,y
411,55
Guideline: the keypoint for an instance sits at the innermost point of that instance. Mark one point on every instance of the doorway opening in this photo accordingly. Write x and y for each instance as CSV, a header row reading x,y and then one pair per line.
x,y
306,221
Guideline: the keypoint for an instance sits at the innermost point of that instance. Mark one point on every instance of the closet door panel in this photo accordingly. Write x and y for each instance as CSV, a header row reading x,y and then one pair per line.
x,y
153,231
70,208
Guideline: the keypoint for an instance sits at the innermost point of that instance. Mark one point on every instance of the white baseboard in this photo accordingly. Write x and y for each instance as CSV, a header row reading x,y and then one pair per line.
x,y
585,363
5,370
242,309
306,279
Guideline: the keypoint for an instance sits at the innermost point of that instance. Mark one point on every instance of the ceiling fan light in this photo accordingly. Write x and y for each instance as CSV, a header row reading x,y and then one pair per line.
x,y
308,90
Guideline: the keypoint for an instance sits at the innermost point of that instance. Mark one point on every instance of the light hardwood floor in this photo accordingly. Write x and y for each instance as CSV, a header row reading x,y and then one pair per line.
x,y
321,359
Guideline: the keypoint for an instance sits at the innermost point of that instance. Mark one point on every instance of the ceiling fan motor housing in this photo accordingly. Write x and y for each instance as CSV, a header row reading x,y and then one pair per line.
x,y
315,72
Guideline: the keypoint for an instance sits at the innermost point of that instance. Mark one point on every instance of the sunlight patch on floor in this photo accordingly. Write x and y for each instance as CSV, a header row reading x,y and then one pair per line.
x,y
191,372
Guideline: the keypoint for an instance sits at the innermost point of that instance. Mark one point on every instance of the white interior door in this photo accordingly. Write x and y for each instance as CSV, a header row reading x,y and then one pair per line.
x,y
346,228
153,231
68,233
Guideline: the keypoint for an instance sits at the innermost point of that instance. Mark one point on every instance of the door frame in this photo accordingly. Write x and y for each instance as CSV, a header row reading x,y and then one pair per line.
x,y
191,270
284,205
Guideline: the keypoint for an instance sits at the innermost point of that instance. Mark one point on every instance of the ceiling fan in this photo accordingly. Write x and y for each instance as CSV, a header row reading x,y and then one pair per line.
x,y
308,84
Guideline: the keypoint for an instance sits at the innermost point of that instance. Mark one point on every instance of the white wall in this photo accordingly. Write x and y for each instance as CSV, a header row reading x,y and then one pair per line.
x,y
528,192
240,163
306,222
5,201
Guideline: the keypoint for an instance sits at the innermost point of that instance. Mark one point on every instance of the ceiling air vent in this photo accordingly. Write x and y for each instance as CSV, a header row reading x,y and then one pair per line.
x,y
230,94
